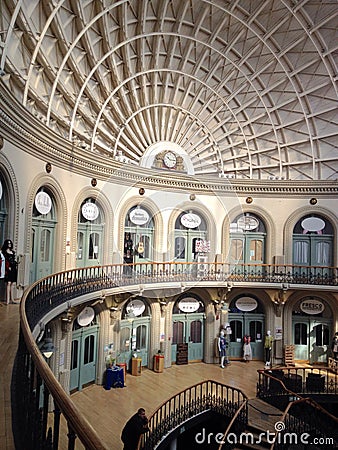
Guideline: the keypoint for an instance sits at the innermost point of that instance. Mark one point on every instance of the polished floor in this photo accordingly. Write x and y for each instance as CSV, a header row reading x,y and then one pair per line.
x,y
108,410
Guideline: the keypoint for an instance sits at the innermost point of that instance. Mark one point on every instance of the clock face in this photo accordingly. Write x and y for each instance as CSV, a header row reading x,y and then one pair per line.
x,y
169,159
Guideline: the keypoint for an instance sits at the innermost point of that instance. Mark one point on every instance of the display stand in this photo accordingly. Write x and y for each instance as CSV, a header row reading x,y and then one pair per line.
x,y
136,366
124,367
158,363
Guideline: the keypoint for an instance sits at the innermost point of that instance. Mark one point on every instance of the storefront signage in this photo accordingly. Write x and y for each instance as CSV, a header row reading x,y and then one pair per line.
x,y
313,224
135,307
246,304
188,304
139,216
312,306
247,223
190,220
43,202
202,246
86,316
90,211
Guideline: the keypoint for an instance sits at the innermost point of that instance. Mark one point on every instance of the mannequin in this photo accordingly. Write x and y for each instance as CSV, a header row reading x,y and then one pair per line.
x,y
268,347
11,269
222,346
247,352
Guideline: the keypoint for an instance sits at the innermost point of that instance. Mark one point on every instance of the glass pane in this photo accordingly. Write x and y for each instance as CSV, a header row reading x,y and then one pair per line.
x,y
237,330
141,337
256,250
125,339
33,245
177,333
75,352
89,350
180,247
301,252
323,254
255,330
319,334
236,251
93,246
79,245
300,334
196,331
45,245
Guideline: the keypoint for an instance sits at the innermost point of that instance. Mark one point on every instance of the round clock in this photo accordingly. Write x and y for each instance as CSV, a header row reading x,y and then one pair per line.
x,y
169,160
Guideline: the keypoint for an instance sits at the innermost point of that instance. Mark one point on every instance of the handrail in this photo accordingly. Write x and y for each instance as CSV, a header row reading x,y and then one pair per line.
x,y
188,403
58,289
77,422
233,420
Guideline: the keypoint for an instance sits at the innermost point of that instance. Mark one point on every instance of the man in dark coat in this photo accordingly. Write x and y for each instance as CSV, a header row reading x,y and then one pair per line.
x,y
136,425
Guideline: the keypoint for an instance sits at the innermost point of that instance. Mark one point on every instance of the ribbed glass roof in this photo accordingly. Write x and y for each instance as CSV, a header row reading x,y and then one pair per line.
x,y
246,88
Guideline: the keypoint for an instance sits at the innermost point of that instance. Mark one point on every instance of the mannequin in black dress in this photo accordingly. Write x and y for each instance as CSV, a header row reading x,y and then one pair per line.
x,y
11,269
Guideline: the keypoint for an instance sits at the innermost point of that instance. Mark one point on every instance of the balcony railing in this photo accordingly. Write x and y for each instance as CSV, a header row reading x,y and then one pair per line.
x,y
32,377
202,397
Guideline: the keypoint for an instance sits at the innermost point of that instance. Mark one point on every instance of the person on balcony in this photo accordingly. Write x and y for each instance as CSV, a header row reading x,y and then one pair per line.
x,y
133,429
11,269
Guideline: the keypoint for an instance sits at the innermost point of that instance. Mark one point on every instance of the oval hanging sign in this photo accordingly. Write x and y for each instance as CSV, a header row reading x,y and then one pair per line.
x,y
190,220
246,304
313,224
312,306
86,316
43,202
188,304
139,216
136,307
90,211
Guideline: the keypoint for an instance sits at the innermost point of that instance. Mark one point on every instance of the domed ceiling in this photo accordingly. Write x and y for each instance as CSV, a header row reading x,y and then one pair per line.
x,y
244,88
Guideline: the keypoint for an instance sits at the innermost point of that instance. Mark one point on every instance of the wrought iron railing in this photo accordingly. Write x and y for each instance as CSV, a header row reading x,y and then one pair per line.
x,y
288,389
56,289
178,410
32,378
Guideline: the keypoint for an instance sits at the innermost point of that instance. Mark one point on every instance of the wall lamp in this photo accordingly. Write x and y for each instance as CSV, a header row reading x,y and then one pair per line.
x,y
47,348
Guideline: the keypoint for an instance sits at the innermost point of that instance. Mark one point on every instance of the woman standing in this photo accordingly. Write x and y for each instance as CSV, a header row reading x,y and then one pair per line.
x,y
11,269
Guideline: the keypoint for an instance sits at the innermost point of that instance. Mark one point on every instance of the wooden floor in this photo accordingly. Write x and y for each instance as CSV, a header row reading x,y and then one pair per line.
x,y
108,410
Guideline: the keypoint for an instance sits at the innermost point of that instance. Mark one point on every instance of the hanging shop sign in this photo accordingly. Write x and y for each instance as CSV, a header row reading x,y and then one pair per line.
x,y
312,306
135,307
43,202
247,223
246,304
86,316
314,224
139,216
188,305
90,211
190,220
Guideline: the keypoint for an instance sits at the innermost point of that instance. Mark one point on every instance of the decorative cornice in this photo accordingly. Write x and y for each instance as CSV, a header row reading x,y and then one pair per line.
x,y
21,128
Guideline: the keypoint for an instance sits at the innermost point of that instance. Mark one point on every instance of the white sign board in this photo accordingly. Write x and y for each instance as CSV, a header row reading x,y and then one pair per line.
x,y
90,211
139,216
190,220
312,306
43,202
246,304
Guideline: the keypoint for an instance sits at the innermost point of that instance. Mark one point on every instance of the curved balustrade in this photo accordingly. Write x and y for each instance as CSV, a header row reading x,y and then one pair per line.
x,y
50,292
32,378
288,389
205,396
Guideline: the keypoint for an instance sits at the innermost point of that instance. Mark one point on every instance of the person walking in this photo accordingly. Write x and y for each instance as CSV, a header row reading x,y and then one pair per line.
x,y
11,269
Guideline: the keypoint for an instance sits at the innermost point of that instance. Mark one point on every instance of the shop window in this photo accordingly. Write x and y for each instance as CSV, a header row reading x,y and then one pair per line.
x,y
89,349
237,331
196,331
178,328
141,337
75,353
300,334
255,332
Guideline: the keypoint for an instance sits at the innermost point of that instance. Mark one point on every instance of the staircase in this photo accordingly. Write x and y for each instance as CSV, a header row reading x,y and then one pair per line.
x,y
261,430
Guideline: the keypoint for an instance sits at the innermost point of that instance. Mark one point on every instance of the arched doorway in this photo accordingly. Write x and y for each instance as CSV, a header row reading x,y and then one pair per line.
x,y
313,243
135,331
44,222
84,350
3,210
247,243
89,234
246,317
188,328
312,329
139,236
